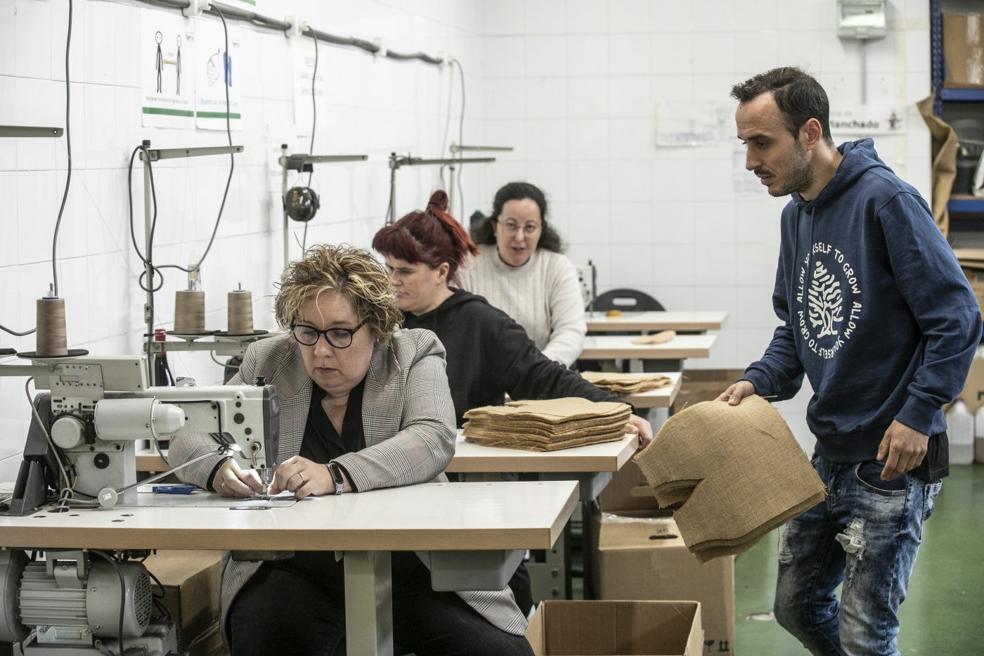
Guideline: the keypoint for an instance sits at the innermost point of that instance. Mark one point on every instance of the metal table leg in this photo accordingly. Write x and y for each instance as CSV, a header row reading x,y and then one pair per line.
x,y
368,603
551,579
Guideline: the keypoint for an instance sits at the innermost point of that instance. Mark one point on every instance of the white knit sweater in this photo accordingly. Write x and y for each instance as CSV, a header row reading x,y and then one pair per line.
x,y
543,296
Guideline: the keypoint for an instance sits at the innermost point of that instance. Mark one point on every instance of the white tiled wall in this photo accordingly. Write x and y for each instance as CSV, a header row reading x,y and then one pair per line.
x,y
371,106
573,85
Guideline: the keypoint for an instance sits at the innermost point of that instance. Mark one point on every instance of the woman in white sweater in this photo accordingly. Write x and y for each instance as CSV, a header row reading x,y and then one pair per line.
x,y
520,270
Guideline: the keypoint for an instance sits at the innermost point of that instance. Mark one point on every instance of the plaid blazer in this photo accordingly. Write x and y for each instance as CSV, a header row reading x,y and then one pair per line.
x,y
409,424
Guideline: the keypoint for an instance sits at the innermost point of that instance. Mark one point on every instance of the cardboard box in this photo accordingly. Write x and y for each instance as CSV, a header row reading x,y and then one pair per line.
x,y
613,628
963,50
704,385
637,553
191,581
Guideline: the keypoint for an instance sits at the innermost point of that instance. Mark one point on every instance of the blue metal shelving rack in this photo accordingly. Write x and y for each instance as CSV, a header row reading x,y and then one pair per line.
x,y
966,206
942,94
936,52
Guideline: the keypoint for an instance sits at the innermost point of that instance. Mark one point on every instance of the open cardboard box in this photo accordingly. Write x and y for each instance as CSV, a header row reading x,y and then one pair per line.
x,y
191,581
616,628
637,553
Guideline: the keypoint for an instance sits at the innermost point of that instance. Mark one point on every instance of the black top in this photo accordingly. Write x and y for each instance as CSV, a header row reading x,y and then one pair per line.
x,y
322,443
490,355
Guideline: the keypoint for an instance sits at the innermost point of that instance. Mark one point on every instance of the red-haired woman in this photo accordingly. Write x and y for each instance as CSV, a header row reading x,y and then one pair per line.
x,y
488,354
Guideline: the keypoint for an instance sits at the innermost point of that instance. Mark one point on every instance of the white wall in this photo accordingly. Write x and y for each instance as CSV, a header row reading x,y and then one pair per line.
x,y
371,106
575,85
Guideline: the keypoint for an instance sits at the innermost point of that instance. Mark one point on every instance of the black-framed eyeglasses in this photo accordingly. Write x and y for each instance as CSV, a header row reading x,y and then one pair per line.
x,y
340,338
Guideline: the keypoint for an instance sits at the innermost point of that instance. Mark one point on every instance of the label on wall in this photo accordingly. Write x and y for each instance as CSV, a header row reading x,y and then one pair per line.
x,y
694,123
166,70
866,121
215,72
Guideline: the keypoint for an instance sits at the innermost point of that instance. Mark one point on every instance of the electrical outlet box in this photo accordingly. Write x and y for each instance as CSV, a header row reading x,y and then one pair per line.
x,y
861,19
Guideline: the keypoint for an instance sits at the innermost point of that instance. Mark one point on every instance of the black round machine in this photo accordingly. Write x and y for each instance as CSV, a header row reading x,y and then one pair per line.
x,y
301,203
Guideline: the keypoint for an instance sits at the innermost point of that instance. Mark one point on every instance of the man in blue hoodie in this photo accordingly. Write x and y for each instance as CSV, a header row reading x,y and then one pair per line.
x,y
876,312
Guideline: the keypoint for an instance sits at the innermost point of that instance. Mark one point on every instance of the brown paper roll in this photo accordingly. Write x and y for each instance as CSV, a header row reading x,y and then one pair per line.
x,y
240,312
52,336
189,312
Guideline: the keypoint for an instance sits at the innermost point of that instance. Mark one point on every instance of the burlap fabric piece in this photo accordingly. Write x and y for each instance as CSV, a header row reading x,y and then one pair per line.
x,y
508,430
626,383
548,430
550,411
658,338
547,425
529,444
737,469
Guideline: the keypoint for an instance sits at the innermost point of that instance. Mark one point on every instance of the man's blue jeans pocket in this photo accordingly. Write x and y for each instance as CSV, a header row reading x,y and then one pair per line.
x,y
868,474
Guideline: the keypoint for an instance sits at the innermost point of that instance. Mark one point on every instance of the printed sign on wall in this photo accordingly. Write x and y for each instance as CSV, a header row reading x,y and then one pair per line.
x,y
167,70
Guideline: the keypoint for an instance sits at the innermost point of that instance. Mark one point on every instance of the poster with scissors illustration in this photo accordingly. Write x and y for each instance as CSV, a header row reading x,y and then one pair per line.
x,y
166,70
215,72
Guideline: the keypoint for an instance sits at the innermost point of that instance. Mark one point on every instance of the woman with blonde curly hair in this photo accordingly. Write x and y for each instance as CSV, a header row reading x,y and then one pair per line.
x,y
363,405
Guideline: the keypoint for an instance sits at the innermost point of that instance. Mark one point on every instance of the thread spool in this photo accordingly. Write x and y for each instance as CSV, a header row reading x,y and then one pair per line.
x,y
52,336
240,312
189,312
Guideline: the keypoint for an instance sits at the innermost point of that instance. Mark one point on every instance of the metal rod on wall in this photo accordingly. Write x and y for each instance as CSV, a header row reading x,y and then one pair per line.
x,y
302,162
399,161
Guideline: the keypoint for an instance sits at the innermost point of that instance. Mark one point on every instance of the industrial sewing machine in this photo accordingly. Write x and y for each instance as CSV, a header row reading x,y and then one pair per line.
x,y
80,455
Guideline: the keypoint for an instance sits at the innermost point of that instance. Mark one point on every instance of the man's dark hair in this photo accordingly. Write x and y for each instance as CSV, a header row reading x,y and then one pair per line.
x,y
798,96
484,232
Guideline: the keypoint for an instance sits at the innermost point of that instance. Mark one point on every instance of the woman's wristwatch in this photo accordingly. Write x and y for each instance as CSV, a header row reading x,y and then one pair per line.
x,y
336,476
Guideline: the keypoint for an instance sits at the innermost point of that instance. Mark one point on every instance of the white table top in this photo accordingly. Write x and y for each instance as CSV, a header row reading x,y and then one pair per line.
x,y
599,322
593,458
658,398
427,517
609,347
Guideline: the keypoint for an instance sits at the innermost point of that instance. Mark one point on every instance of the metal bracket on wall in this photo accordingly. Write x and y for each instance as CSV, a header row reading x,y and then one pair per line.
x,y
28,132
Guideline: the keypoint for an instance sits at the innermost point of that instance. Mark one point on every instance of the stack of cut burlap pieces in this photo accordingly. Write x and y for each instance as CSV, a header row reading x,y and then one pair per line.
x,y
547,425
737,470
623,384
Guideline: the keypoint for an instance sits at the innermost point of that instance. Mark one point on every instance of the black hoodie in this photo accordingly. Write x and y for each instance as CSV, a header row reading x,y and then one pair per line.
x,y
490,355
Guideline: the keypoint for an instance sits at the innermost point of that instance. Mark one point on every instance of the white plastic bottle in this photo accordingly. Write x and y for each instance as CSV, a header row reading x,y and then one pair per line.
x,y
960,429
979,435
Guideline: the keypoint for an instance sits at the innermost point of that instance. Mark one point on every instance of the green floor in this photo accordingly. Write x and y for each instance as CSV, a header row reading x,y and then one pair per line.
x,y
944,612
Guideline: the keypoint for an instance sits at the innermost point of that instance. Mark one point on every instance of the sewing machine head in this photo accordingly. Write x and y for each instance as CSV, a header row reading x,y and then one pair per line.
x,y
99,407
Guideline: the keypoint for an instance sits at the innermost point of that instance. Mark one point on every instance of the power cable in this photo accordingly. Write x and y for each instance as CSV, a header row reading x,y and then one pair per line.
x,y
148,259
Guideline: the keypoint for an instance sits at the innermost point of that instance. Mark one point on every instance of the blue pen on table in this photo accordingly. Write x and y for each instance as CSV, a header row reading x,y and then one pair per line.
x,y
174,488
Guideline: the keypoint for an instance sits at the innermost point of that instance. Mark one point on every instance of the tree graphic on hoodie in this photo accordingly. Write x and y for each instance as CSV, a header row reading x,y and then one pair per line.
x,y
826,301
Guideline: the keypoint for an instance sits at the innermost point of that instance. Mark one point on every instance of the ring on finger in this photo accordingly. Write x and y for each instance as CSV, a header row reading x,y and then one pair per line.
x,y
301,474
